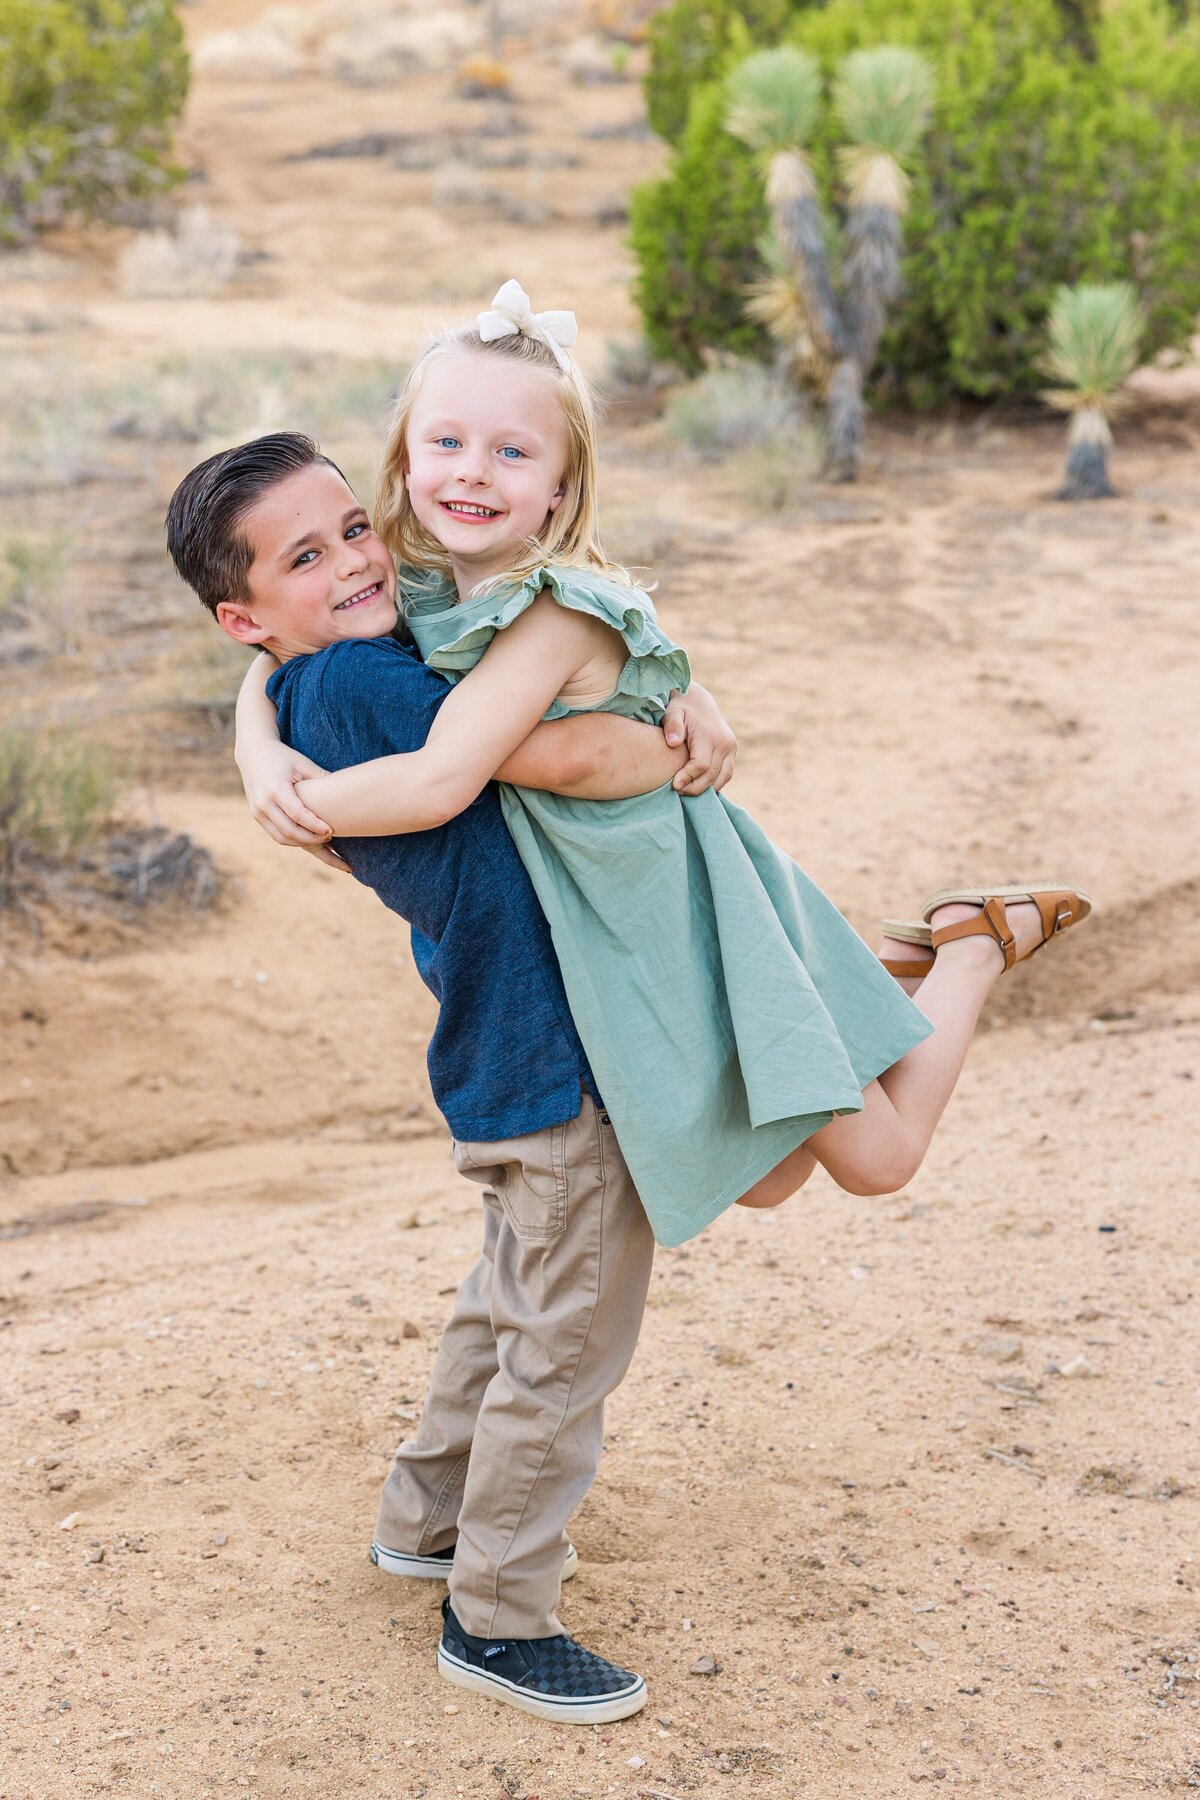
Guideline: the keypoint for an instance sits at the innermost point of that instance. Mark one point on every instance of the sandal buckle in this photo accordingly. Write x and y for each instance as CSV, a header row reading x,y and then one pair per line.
x,y
1062,917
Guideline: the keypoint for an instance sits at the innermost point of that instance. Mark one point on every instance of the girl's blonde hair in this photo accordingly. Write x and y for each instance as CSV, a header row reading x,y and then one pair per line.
x,y
571,534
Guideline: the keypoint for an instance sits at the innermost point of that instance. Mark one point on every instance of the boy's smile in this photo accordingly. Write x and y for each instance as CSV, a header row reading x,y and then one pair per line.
x,y
319,571
486,446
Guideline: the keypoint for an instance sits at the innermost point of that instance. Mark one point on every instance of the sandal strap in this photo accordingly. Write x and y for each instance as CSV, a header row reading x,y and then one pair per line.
x,y
911,966
991,921
1057,911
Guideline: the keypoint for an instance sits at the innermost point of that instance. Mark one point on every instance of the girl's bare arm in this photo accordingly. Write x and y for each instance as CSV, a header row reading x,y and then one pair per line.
x,y
594,756
490,712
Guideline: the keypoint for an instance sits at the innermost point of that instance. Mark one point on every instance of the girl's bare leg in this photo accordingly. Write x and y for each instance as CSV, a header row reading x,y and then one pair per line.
x,y
881,1148
794,1170
783,1180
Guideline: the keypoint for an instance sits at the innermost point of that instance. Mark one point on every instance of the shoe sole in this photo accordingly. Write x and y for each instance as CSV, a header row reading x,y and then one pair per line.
x,y
542,1706
436,1568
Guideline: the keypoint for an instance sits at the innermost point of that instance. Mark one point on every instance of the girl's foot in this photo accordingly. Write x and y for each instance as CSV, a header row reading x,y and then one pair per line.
x,y
1007,923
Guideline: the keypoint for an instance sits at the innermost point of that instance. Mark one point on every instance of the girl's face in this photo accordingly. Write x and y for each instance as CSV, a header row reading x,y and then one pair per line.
x,y
487,447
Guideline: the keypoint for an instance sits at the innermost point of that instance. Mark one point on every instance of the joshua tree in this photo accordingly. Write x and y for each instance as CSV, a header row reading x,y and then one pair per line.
x,y
882,99
1095,334
831,333
774,100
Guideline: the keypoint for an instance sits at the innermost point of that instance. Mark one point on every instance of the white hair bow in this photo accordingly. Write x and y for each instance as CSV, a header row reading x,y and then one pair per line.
x,y
511,312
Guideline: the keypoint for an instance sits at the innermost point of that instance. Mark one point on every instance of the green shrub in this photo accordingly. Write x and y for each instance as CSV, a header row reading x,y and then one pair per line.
x,y
1051,159
694,236
691,43
88,90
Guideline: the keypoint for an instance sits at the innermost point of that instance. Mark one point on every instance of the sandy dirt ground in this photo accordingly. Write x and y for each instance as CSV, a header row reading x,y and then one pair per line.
x,y
900,1496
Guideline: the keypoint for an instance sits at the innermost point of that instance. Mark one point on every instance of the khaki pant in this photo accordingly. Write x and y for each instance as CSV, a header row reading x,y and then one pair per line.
x,y
543,1329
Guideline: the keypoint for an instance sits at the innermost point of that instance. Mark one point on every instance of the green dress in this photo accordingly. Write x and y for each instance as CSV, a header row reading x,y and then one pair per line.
x,y
727,1008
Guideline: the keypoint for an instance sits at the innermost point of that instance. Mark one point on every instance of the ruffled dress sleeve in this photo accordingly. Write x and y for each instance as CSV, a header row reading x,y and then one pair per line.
x,y
452,638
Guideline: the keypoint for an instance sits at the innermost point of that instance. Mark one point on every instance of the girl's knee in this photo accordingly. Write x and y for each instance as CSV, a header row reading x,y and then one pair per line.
x,y
878,1172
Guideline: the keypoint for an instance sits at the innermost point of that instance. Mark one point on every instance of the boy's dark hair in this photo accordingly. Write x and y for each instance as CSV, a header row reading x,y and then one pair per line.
x,y
211,501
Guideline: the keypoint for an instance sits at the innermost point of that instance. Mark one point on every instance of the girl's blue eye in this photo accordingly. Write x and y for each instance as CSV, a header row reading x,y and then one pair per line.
x,y
447,443
511,451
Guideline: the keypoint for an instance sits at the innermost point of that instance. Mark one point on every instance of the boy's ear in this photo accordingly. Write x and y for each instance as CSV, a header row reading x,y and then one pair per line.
x,y
234,619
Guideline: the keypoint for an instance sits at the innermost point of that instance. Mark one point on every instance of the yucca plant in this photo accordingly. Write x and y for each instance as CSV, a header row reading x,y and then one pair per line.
x,y
829,329
882,99
773,100
776,302
1095,334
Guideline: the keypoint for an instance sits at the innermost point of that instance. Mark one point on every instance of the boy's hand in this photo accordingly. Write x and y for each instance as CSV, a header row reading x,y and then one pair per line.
x,y
695,717
270,782
329,857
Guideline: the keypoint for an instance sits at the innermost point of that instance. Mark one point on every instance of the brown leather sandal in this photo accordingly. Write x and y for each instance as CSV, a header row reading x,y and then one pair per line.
x,y
908,931
1058,907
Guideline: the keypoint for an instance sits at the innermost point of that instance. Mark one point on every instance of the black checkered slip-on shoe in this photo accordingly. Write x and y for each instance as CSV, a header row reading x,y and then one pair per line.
x,y
553,1678
438,1564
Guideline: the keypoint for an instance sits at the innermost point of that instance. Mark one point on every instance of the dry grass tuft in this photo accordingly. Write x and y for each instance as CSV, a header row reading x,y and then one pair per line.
x,y
776,477
589,60
256,52
55,796
204,675
197,256
48,426
625,20
39,600
64,850
735,407
364,41
632,371
199,398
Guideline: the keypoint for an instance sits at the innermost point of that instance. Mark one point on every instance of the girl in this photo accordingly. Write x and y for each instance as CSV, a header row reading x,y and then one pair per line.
x,y
740,1031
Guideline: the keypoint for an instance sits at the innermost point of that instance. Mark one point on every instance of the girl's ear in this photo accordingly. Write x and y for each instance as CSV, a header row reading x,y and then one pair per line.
x,y
557,495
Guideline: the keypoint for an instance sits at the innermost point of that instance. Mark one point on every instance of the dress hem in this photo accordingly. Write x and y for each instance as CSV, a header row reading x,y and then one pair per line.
x,y
782,1145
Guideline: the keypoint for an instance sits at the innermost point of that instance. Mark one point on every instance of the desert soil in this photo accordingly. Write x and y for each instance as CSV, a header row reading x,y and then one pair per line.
x,y
915,1480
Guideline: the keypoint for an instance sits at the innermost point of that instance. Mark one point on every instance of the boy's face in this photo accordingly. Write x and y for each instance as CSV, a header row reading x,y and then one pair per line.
x,y
320,572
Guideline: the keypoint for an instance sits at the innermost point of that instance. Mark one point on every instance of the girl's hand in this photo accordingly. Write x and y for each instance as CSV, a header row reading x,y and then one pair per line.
x,y
270,778
696,719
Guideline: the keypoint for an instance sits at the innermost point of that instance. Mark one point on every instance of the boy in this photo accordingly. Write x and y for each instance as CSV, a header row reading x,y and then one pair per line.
x,y
280,551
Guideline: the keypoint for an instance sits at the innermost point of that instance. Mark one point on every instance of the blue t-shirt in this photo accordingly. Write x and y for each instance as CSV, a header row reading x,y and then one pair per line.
x,y
505,1057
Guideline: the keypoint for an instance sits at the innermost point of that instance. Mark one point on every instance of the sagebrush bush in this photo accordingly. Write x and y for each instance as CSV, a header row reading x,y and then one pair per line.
x,y
196,256
739,406
88,92
1065,146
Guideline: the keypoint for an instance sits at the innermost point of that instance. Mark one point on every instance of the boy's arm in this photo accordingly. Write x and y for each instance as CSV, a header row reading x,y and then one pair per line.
x,y
269,768
696,720
596,756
